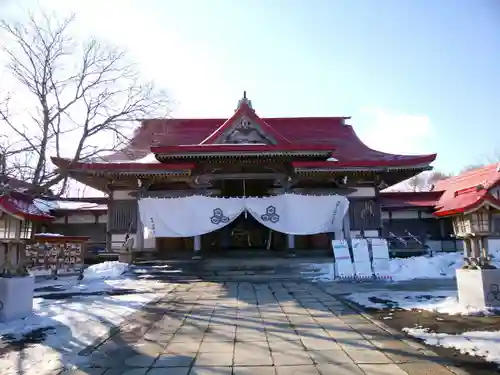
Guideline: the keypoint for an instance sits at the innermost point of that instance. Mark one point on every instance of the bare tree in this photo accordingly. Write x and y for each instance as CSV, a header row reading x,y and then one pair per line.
x,y
424,181
471,167
416,183
490,158
435,176
73,99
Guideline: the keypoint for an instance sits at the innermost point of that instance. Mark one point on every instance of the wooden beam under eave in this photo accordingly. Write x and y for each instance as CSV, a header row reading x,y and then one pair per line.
x,y
243,176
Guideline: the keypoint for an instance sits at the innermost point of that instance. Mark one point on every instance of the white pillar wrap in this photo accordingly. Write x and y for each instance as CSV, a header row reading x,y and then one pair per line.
x,y
197,243
291,241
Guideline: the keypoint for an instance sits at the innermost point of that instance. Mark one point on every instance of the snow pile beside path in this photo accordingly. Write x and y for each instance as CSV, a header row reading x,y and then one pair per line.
x,y
476,343
442,265
105,270
441,302
439,266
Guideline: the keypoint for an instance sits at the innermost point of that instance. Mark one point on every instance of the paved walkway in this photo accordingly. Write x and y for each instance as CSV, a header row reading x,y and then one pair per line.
x,y
279,328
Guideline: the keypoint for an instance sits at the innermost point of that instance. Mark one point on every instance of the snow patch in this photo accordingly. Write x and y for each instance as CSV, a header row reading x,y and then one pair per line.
x,y
441,302
475,343
106,270
72,324
45,206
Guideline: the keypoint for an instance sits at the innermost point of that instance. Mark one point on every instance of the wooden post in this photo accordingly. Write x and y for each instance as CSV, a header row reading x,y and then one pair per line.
x,y
475,247
346,223
484,249
467,248
139,231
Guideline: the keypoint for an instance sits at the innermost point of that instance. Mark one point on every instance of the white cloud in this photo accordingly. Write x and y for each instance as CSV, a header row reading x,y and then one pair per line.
x,y
394,132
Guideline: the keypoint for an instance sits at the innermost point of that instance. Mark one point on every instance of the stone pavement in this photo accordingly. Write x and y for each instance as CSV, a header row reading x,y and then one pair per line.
x,y
279,328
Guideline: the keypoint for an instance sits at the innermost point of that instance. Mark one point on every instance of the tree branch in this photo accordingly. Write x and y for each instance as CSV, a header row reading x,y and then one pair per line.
x,y
83,98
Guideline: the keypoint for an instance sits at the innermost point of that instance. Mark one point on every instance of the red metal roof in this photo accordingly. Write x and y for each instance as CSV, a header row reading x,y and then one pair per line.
x,y
22,206
397,199
317,133
467,191
324,131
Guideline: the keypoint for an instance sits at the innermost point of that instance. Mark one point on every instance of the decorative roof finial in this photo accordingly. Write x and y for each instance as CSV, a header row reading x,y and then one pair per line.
x,y
244,101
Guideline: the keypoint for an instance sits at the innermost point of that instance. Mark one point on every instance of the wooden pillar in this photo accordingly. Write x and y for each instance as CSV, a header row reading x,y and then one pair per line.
x,y
139,232
467,248
476,252
346,223
441,228
483,245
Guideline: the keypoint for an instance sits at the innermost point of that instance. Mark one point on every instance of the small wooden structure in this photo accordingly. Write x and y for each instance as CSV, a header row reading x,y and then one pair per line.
x,y
53,254
17,215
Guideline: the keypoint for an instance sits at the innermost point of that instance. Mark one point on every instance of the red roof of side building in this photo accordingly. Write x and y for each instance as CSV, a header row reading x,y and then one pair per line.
x,y
408,199
468,191
22,207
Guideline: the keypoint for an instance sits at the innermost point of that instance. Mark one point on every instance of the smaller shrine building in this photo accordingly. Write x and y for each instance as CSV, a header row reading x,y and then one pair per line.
x,y
19,217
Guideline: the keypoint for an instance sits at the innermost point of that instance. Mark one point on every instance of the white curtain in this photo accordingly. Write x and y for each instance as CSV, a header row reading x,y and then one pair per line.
x,y
299,214
197,215
188,216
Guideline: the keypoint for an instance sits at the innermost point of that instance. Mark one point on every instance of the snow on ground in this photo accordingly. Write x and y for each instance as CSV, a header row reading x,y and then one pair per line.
x,y
441,301
439,266
72,323
477,343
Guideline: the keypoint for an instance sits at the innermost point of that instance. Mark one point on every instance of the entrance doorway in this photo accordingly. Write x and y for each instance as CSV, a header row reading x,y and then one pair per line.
x,y
247,234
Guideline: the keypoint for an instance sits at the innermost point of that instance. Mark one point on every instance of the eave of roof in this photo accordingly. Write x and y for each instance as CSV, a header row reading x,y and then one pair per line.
x,y
58,239
121,167
401,161
396,199
240,151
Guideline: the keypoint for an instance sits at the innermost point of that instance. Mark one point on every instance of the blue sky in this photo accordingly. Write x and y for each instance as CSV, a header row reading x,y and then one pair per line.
x,y
416,76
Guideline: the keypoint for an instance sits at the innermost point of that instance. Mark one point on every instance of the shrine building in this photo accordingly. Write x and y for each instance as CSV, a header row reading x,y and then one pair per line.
x,y
244,156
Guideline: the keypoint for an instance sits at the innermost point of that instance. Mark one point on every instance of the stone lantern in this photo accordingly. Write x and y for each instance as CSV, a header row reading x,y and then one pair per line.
x,y
478,280
473,228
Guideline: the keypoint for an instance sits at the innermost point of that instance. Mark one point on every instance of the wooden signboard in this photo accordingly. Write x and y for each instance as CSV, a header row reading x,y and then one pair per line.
x,y
52,254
